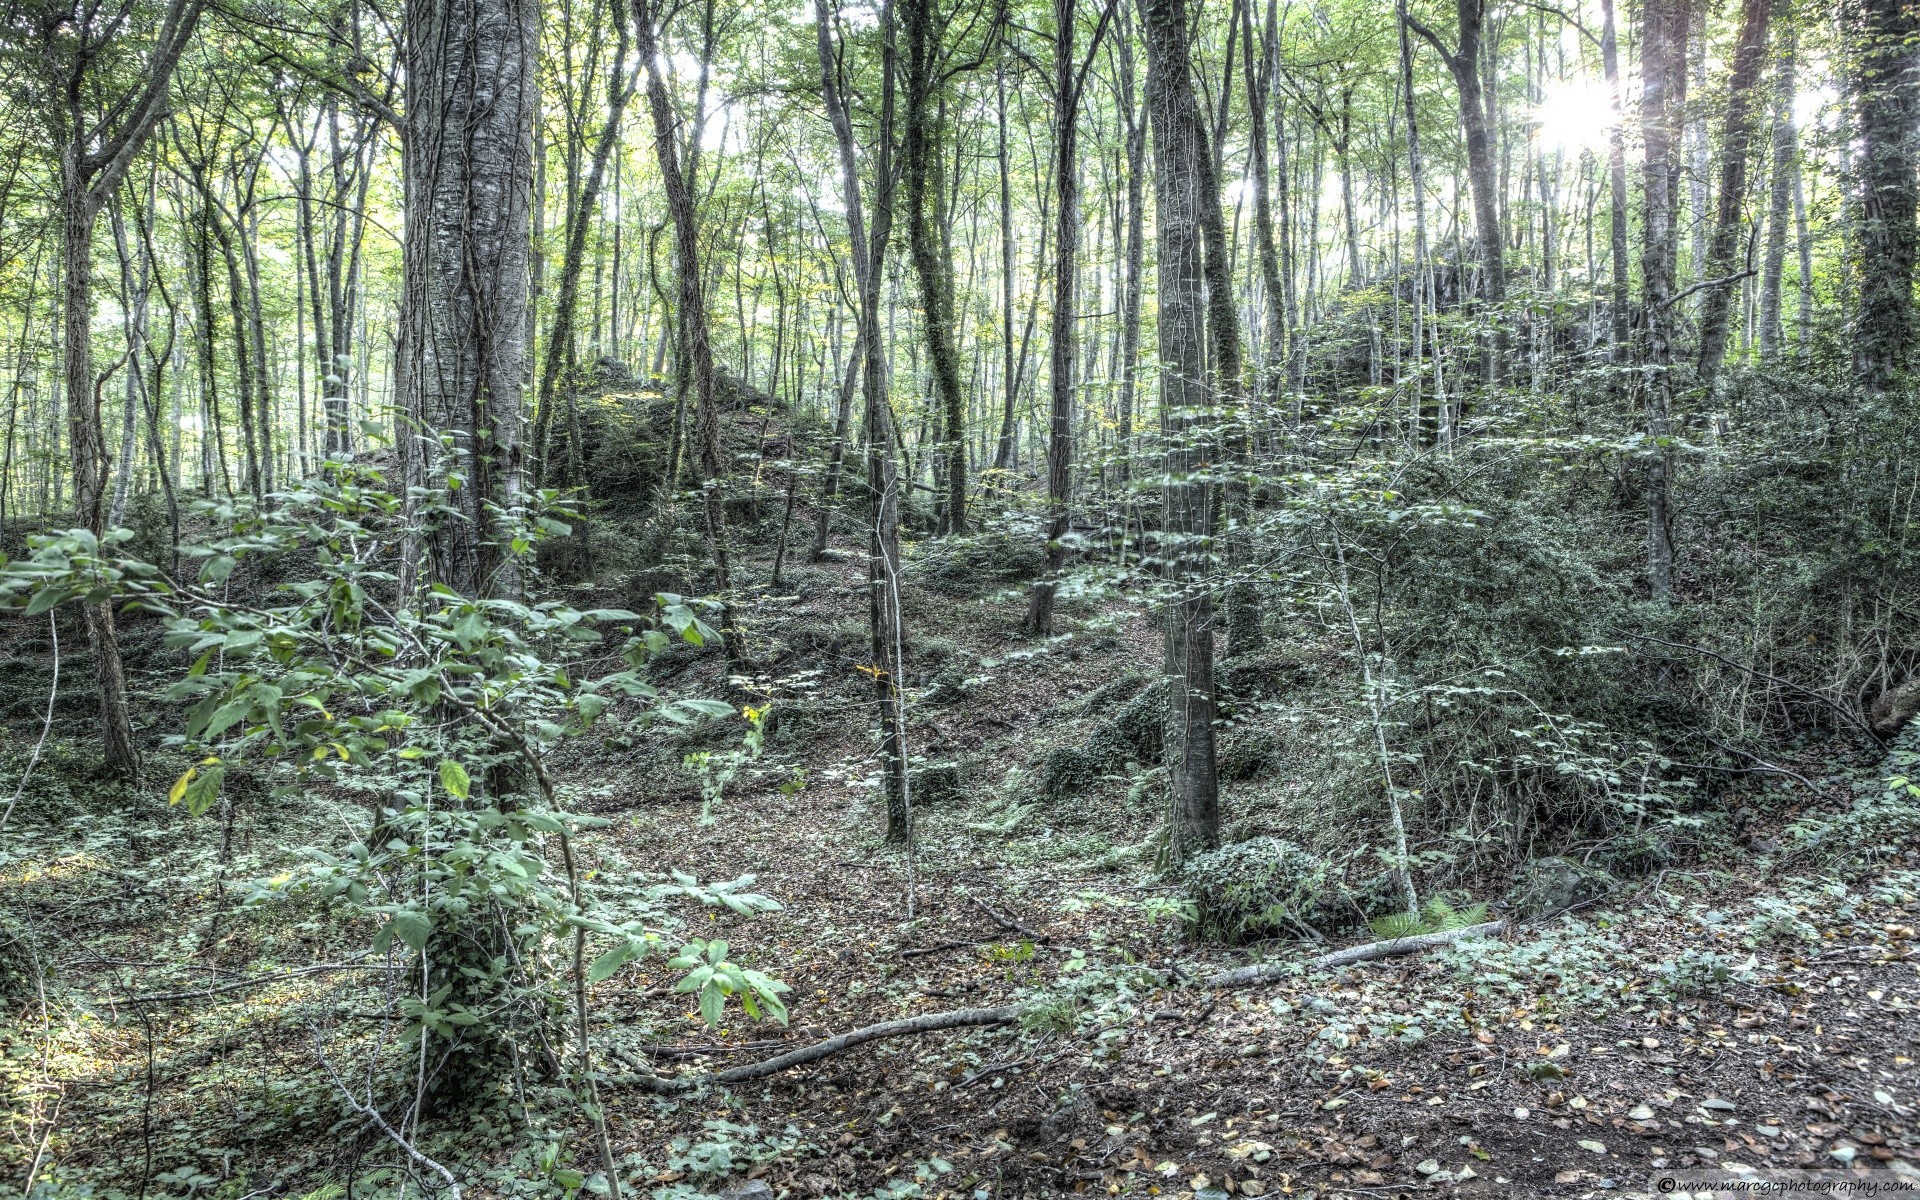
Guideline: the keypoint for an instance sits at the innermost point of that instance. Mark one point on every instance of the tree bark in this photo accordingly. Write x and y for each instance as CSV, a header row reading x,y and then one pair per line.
x,y
1662,102
1785,176
1186,401
1886,35
932,267
620,85
472,92
696,336
94,158
1729,217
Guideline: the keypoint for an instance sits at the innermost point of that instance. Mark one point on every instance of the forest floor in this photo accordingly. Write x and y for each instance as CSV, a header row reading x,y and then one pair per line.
x,y
1732,1013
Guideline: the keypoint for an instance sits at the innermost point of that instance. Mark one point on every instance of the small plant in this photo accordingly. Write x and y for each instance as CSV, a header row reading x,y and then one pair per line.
x,y
1435,916
1692,973
1776,921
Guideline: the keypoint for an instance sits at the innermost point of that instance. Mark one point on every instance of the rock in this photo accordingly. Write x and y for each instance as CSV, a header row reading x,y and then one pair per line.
x,y
1547,886
746,1189
1593,1147
1641,1112
1428,1166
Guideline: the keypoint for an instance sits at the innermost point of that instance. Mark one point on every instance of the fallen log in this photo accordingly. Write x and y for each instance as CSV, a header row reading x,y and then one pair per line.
x,y
1371,952
925,1023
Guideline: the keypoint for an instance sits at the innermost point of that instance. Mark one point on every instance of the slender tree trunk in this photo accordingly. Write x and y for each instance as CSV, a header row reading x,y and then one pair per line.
x,y
696,338
620,85
1135,122
1259,84
1785,177
1622,307
1663,100
1065,331
923,177
1188,519
1729,217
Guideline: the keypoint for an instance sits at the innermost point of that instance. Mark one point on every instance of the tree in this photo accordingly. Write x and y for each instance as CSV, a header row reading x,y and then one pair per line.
x,y
920,154
102,105
1068,81
471,95
1465,62
1886,99
1663,71
1729,216
1186,401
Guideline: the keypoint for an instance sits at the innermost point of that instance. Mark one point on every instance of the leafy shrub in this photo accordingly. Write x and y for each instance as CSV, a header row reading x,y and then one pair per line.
x,y
1266,887
981,562
1132,734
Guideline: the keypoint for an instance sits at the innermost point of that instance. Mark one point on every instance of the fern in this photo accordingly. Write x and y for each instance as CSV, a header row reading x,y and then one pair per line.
x,y
1436,916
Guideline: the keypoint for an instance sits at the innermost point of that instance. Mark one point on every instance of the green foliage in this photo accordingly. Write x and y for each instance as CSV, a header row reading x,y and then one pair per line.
x,y
1262,888
438,711
1435,916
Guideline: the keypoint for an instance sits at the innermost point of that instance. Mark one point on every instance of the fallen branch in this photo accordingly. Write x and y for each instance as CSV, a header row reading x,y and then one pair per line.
x,y
1371,952
927,1023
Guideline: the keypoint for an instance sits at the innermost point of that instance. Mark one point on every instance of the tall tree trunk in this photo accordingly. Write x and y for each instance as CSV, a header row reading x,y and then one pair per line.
x,y
1663,100
1785,176
1886,36
472,93
923,177
1729,216
696,337
1135,122
1180,159
1259,83
94,158
1065,330
1622,306
620,85
1483,175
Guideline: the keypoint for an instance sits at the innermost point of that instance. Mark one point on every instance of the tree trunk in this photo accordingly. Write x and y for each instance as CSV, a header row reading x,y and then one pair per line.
x,y
87,445
1786,172
1619,329
1729,217
472,93
696,338
921,169
620,84
1180,158
1259,84
1065,327
1663,100
1885,35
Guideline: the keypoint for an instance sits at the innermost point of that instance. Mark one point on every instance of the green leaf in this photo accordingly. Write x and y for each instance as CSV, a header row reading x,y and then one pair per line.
x,y
453,777
604,966
713,1003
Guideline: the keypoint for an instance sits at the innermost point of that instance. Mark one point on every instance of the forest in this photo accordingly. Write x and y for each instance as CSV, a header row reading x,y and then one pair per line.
x,y
965,599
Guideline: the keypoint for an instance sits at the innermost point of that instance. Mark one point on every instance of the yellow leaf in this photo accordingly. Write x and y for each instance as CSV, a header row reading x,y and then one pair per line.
x,y
179,789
